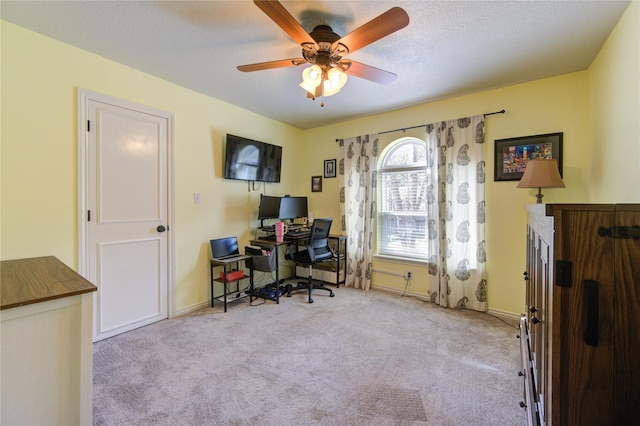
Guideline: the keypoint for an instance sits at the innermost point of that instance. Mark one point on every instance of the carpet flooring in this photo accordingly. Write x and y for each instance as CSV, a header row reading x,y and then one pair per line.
x,y
359,358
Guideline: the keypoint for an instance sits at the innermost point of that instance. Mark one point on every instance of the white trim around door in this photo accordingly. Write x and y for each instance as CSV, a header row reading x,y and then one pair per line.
x,y
85,98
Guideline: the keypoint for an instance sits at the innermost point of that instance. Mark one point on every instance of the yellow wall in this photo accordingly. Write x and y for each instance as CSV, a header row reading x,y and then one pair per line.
x,y
596,109
614,87
40,78
556,104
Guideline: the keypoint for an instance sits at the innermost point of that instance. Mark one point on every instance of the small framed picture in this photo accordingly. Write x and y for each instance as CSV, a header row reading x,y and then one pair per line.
x,y
329,168
316,183
512,155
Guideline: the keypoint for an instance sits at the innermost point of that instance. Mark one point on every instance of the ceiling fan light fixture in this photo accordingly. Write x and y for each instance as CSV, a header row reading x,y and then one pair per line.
x,y
329,90
308,88
312,75
335,81
311,78
324,50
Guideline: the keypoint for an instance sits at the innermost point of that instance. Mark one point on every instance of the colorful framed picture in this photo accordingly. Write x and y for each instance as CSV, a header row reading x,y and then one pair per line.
x,y
330,168
511,155
316,183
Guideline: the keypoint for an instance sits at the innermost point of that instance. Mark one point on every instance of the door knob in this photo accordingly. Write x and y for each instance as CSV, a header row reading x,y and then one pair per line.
x,y
161,228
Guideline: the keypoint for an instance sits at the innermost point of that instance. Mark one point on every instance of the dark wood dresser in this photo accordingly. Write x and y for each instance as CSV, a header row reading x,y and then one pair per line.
x,y
580,335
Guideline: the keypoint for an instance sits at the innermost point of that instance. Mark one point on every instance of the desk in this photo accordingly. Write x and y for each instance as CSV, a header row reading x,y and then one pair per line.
x,y
225,263
340,258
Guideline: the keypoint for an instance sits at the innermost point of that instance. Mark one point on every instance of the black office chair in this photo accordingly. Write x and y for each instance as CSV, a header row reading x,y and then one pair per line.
x,y
317,250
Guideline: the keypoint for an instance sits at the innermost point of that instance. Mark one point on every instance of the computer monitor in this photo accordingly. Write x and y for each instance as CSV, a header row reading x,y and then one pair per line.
x,y
269,207
293,207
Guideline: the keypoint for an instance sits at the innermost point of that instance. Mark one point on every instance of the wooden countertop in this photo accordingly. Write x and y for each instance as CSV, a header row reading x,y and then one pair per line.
x,y
38,279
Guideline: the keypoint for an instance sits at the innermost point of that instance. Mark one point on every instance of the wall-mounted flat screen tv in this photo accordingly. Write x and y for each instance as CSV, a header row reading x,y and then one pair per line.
x,y
246,159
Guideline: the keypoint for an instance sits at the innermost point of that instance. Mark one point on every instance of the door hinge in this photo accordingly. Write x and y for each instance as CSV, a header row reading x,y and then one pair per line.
x,y
88,125
620,232
88,215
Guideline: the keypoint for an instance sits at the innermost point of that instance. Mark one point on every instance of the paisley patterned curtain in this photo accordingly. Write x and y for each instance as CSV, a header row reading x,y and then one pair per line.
x,y
357,176
457,242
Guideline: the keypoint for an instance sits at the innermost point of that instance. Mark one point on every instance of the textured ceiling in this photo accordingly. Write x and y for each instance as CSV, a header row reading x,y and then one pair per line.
x,y
448,49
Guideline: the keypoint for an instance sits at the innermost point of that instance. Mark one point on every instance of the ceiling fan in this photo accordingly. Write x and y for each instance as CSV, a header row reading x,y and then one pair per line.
x,y
325,50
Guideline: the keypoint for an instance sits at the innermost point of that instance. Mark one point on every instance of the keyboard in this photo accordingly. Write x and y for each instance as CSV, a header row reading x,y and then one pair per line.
x,y
298,233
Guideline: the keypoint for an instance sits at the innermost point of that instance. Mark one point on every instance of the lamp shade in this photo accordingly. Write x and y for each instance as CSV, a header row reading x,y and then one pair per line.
x,y
541,174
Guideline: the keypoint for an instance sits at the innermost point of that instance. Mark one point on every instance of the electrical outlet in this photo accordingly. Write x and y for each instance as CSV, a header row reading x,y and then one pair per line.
x,y
408,275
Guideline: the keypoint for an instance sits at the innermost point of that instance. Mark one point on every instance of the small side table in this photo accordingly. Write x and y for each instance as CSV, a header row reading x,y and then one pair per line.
x,y
227,265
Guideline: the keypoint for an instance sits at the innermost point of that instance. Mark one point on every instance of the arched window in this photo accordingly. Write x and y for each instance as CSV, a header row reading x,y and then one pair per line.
x,y
402,200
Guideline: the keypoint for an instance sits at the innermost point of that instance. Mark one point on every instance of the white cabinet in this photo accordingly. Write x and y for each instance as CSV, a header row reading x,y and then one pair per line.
x,y
47,349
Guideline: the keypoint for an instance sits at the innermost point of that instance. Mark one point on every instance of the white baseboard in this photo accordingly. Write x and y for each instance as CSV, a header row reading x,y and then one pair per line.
x,y
508,317
399,292
192,308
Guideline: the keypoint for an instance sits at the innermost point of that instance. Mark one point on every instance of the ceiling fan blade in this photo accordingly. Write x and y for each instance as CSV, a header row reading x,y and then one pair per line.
x,y
272,64
389,22
280,15
368,72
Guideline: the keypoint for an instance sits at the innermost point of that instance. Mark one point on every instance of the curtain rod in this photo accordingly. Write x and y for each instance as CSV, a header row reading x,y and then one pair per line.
x,y
502,111
403,129
422,125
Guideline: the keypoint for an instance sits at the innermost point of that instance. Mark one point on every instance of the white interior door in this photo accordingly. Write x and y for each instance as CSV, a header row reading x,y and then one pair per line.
x,y
127,213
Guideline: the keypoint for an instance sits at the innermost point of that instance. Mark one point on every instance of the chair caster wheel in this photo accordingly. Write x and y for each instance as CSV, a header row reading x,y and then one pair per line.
x,y
310,300
331,294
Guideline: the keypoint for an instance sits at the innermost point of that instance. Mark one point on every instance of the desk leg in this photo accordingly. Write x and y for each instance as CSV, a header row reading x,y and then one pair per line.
x,y
338,264
212,298
277,248
344,261
226,290
250,286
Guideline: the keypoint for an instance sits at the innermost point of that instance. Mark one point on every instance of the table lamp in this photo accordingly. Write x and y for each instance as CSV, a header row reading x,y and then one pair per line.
x,y
541,174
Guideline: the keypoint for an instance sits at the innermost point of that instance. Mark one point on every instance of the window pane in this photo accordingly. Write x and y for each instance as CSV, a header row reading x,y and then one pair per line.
x,y
402,206
406,154
403,235
403,191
